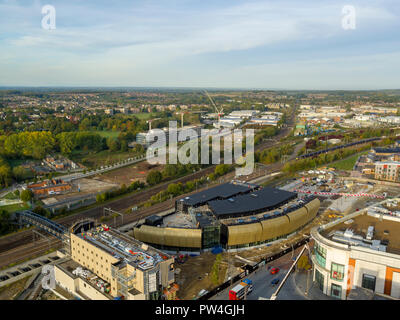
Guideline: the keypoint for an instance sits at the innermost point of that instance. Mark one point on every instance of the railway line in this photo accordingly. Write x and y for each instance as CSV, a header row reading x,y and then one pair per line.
x,y
316,153
19,246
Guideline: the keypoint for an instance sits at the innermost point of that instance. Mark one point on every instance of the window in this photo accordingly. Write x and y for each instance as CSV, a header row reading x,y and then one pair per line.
x,y
368,282
320,255
319,278
337,271
336,291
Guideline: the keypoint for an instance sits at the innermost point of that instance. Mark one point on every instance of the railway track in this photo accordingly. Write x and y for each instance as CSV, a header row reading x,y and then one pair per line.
x,y
24,248
21,253
19,246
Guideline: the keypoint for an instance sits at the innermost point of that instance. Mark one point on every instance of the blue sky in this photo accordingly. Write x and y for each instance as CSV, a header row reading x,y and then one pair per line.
x,y
287,44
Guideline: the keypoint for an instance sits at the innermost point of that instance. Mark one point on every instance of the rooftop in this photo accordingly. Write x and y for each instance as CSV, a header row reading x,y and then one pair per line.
x,y
222,191
75,270
386,150
386,231
125,248
261,200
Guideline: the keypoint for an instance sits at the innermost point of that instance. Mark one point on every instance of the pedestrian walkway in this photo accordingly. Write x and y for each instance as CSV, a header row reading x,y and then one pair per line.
x,y
313,292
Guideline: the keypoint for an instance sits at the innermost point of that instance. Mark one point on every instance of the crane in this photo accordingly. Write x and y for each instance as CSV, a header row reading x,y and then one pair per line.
x,y
220,112
182,113
150,121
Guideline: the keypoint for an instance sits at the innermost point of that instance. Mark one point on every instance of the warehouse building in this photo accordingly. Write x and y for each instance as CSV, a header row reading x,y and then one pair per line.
x,y
233,215
361,250
183,131
107,264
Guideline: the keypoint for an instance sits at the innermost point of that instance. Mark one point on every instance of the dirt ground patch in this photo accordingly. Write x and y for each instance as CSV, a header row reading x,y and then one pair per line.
x,y
48,295
86,186
195,275
11,291
129,174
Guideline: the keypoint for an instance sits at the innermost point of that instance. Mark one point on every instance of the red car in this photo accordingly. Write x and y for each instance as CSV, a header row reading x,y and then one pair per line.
x,y
274,270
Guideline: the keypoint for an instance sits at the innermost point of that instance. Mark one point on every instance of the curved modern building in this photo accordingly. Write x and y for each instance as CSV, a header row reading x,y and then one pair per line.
x,y
233,216
358,255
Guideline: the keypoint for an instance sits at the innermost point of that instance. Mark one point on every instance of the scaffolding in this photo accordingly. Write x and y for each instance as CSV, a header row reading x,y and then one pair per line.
x,y
125,283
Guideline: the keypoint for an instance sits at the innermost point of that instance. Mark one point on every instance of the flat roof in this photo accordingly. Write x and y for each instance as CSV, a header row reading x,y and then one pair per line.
x,y
124,248
383,230
386,150
264,199
222,191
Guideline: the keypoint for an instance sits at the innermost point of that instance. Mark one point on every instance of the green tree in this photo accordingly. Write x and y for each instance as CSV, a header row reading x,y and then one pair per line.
x,y
170,170
221,169
26,195
42,211
154,177
175,189
5,225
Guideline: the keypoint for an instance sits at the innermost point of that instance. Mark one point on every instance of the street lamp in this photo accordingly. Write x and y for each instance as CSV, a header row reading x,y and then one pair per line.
x,y
308,276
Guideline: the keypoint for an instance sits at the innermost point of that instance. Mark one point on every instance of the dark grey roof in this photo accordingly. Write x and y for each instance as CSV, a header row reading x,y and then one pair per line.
x,y
257,201
222,191
387,150
154,219
203,220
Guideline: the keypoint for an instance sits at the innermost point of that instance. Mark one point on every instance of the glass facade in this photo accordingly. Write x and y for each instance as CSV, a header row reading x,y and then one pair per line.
x,y
368,282
337,271
336,291
320,255
210,236
319,278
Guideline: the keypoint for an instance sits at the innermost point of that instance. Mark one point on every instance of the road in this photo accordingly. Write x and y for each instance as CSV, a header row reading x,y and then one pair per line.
x,y
262,282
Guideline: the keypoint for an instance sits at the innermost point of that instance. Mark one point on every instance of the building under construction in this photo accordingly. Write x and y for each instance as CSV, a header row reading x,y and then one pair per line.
x,y
233,215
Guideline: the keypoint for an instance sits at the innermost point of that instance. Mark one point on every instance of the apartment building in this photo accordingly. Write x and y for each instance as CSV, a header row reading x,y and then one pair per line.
x,y
387,170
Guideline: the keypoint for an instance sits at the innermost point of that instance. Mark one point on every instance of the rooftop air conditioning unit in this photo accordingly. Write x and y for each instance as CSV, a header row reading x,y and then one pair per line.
x,y
370,232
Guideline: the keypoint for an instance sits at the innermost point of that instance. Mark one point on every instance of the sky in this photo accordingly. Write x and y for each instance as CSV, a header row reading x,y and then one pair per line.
x,y
285,44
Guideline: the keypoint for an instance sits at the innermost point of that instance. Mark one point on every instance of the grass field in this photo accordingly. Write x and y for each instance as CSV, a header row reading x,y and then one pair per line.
x,y
348,163
15,207
11,196
95,159
144,115
108,134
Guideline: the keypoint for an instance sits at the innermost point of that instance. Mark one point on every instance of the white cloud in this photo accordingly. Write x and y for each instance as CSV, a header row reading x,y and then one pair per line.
x,y
133,45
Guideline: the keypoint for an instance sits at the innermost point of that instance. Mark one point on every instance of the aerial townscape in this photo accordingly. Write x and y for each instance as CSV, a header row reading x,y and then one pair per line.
x,y
193,173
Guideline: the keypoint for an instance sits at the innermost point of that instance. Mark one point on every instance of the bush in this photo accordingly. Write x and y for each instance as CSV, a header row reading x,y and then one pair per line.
x,y
154,177
26,195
